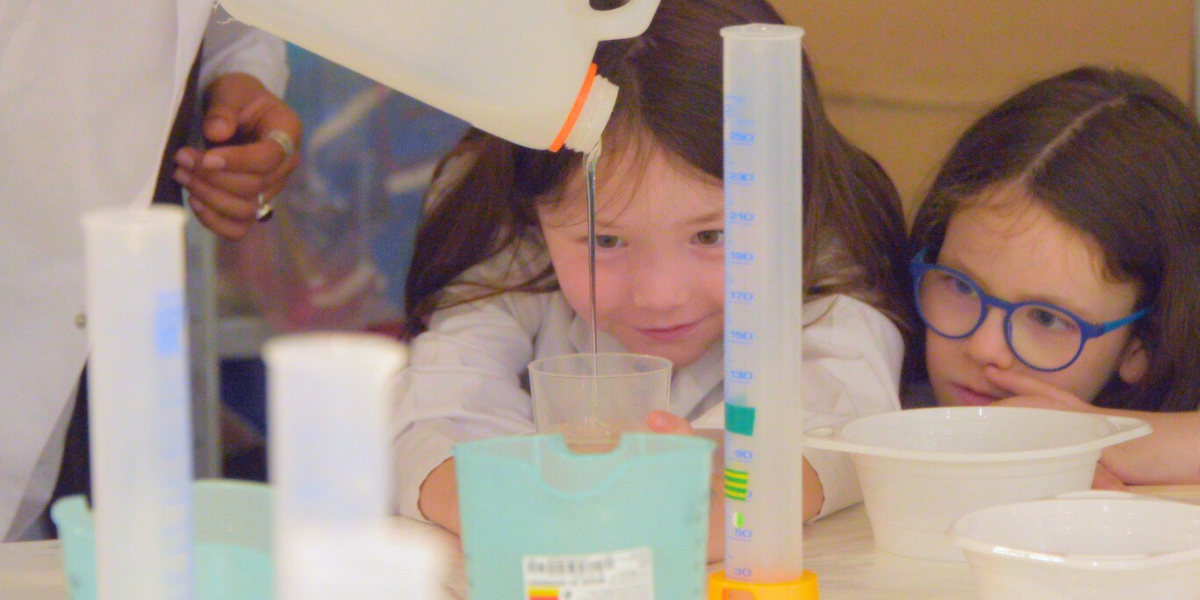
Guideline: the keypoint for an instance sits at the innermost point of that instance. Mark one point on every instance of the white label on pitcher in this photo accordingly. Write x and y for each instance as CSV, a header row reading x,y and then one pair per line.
x,y
621,575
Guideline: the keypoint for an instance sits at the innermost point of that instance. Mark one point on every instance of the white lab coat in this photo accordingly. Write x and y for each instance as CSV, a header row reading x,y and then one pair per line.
x,y
88,92
467,377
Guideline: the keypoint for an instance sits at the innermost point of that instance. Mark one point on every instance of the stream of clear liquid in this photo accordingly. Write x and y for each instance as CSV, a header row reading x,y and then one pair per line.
x,y
592,158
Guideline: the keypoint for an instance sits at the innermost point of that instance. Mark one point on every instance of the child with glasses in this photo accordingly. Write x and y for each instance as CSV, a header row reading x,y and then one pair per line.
x,y
1057,265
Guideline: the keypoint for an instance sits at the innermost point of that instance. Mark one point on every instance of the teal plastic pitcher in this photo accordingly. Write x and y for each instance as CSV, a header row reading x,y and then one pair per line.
x,y
539,521
232,541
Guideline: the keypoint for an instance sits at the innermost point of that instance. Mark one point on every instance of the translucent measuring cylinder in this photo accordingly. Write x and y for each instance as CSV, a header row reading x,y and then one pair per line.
x,y
139,413
763,223
327,407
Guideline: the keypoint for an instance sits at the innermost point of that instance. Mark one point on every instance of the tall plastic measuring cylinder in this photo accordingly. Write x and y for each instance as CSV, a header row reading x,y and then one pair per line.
x,y
519,69
763,223
139,409
327,396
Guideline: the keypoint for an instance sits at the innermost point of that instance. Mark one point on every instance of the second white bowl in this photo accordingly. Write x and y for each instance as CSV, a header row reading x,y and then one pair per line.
x,y
922,469
1084,545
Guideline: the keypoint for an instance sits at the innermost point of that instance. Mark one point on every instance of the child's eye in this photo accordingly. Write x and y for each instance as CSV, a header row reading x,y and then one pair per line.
x,y
1048,319
949,283
608,241
711,237
962,287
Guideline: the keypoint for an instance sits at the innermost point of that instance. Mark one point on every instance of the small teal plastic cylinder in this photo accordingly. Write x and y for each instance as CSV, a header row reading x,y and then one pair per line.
x,y
232,541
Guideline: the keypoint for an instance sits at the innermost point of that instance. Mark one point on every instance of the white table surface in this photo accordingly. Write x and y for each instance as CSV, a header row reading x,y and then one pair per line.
x,y
839,549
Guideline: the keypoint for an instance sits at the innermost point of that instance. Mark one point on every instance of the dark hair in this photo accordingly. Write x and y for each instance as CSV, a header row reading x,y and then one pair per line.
x,y
1116,156
670,81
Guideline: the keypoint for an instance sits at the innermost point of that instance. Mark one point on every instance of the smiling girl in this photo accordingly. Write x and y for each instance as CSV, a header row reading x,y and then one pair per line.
x,y
501,271
1057,264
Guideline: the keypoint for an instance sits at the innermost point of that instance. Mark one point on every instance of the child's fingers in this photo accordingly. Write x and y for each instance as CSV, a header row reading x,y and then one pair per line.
x,y
661,421
1017,384
1023,385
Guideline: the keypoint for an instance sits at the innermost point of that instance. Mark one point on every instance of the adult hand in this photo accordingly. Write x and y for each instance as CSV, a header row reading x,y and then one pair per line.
x,y
252,137
665,422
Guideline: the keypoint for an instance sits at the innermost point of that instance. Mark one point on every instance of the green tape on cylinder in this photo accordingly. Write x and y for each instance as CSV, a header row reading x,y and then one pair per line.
x,y
739,419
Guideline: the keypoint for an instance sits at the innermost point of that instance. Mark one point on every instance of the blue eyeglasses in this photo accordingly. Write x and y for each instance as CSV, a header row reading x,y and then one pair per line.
x,y
1043,336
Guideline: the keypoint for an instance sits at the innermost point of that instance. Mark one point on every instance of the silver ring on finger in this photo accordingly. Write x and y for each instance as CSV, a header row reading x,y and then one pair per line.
x,y
283,139
265,208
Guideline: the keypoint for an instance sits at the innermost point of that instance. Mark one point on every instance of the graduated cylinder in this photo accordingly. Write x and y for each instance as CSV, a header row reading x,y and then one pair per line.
x,y
763,223
327,399
139,409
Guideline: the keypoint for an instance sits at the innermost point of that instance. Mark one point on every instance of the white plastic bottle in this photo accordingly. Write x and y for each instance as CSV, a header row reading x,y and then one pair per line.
x,y
519,69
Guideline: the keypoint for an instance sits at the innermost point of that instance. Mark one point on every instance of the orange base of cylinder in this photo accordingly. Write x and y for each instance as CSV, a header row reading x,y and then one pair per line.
x,y
804,588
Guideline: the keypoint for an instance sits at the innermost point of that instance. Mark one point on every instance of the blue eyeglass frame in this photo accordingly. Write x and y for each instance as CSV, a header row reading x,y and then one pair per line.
x,y
1088,330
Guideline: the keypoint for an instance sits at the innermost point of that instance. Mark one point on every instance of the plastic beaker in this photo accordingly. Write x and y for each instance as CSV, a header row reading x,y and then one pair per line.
x,y
591,399
539,520
232,541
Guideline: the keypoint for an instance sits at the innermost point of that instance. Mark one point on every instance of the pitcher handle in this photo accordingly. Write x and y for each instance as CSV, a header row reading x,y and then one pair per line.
x,y
628,21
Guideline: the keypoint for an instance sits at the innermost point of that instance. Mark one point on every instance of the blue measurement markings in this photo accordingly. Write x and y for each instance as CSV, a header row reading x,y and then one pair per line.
x,y
740,376
733,103
739,217
740,337
739,178
741,258
741,138
740,297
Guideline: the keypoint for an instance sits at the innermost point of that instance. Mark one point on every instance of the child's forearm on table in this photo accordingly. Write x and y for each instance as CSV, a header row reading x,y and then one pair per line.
x,y
1169,455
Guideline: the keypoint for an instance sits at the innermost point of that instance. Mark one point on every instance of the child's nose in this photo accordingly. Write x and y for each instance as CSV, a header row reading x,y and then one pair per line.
x,y
988,345
660,283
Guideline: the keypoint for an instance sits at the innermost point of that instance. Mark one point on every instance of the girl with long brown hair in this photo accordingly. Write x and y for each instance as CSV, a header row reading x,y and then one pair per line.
x,y
500,274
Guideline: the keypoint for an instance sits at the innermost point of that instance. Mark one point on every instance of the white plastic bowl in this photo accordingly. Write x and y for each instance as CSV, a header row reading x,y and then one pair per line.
x,y
921,469
1084,545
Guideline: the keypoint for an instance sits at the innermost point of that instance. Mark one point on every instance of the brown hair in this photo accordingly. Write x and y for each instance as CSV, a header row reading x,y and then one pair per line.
x,y
671,96
1117,157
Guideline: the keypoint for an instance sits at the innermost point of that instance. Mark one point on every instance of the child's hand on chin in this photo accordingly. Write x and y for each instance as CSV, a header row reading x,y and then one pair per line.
x,y
665,422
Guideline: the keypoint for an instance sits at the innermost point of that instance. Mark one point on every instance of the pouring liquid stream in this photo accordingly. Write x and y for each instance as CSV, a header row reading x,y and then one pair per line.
x,y
593,434
593,417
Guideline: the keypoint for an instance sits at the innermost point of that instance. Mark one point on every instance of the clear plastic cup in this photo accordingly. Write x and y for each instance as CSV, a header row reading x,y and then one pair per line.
x,y
591,399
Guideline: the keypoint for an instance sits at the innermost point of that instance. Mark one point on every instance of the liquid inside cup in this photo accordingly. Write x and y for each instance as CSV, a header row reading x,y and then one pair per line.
x,y
589,437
